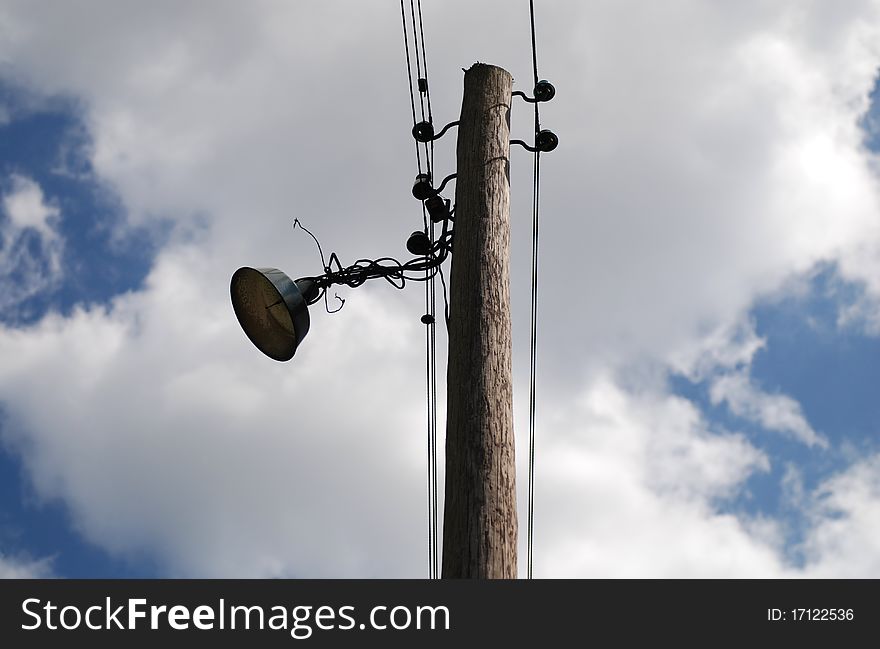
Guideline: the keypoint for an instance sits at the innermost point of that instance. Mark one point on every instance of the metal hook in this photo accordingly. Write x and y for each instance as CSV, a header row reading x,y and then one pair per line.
x,y
544,91
545,141
422,188
445,180
424,131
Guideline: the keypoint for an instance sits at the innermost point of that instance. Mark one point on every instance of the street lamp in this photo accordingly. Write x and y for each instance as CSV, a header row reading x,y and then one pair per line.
x,y
272,309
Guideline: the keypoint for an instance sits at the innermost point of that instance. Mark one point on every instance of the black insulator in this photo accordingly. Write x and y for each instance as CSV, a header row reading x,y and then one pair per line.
x,y
422,188
427,319
418,243
423,132
423,85
544,91
437,207
546,141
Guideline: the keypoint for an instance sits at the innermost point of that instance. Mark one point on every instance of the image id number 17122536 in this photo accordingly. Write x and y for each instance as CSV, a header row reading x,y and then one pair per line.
x,y
810,615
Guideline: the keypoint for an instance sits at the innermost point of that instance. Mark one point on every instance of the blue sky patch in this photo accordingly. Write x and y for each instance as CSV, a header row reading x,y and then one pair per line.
x,y
832,371
48,143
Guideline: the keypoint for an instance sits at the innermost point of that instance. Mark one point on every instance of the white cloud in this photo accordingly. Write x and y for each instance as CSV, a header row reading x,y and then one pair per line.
x,y
26,269
629,487
25,207
730,346
219,460
776,412
863,313
845,540
697,172
792,484
17,567
713,185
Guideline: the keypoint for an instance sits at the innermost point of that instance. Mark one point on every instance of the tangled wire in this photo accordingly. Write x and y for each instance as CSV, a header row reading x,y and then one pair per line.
x,y
417,269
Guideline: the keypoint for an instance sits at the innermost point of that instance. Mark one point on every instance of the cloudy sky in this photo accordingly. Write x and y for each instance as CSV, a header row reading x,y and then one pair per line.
x,y
709,347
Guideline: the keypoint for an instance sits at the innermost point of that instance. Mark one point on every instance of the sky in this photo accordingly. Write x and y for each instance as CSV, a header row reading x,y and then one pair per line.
x,y
709,334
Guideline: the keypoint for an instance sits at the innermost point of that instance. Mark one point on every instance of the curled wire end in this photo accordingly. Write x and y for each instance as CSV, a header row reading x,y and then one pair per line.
x,y
297,224
327,303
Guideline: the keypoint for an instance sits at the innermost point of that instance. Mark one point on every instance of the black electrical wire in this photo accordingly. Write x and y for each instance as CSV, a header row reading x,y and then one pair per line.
x,y
536,185
388,268
534,49
430,298
425,63
412,12
431,431
412,97
431,392
429,155
432,441
430,264
445,295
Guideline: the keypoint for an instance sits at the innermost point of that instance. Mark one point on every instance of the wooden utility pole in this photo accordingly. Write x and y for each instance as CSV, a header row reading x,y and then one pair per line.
x,y
480,523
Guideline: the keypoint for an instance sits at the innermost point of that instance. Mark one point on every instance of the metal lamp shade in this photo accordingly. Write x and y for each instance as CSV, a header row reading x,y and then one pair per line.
x,y
271,309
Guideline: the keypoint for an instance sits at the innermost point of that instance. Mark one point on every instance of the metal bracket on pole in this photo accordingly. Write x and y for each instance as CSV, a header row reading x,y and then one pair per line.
x,y
424,131
544,91
545,141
